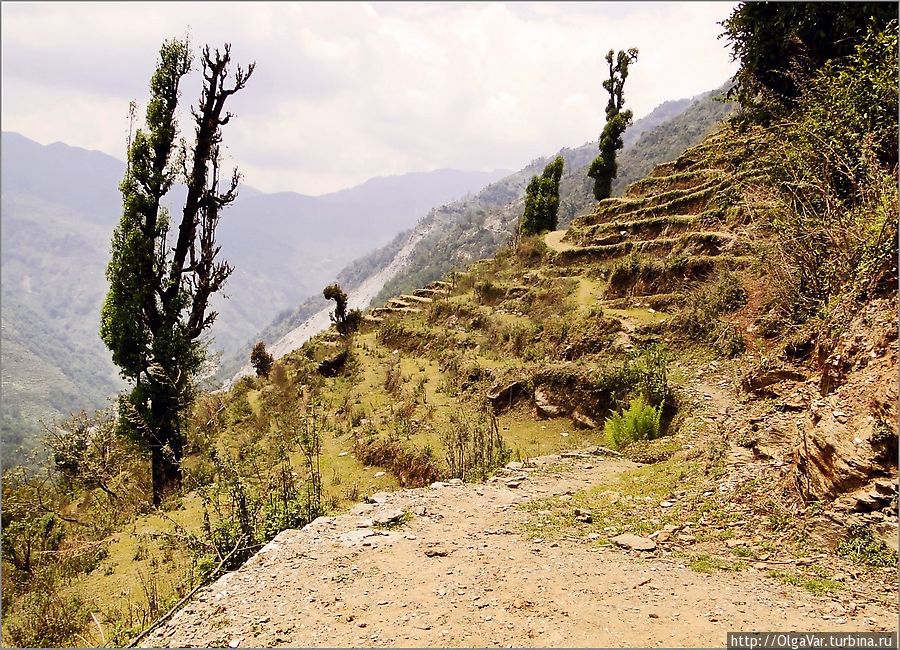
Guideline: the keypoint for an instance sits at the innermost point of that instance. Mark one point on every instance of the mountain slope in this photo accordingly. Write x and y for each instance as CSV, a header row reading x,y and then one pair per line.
x,y
59,207
453,235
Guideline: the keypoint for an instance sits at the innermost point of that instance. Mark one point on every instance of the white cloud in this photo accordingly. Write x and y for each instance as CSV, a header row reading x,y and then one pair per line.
x,y
347,91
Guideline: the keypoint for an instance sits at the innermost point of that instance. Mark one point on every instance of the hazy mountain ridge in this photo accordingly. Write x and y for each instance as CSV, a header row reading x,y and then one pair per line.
x,y
59,207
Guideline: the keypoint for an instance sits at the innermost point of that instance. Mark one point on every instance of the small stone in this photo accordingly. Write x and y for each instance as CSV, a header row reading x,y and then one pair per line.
x,y
515,466
378,498
388,517
419,511
564,434
662,536
379,474
666,504
437,551
653,615
455,481
343,453
733,543
437,485
234,643
689,539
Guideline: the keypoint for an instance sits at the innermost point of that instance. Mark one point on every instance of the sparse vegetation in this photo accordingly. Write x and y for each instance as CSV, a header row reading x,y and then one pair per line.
x,y
474,448
862,547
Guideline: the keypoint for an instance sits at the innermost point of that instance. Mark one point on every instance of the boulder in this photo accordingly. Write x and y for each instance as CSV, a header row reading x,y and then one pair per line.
x,y
582,421
388,517
544,406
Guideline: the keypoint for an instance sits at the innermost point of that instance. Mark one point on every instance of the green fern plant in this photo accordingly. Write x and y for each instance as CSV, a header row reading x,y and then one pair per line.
x,y
640,422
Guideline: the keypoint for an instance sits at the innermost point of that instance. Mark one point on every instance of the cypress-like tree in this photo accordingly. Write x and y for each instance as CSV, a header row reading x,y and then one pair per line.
x,y
604,168
156,307
542,199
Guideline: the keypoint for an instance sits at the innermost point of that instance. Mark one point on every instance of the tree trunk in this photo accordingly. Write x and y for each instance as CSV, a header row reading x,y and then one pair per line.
x,y
166,455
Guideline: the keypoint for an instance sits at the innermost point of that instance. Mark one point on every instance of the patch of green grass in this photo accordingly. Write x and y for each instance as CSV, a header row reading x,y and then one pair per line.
x,y
862,547
702,563
628,504
742,551
816,585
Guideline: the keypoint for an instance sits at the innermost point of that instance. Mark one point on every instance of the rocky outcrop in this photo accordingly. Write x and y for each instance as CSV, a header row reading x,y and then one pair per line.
x,y
504,396
851,436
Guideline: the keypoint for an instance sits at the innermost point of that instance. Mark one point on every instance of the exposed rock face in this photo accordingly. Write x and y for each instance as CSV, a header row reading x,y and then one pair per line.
x,y
504,396
761,382
851,437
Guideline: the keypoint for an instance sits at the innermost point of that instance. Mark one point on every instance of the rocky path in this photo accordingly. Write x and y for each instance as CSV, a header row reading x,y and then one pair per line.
x,y
448,565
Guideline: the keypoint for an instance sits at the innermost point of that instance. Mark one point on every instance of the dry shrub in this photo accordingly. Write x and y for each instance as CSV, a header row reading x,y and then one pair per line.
x,y
414,467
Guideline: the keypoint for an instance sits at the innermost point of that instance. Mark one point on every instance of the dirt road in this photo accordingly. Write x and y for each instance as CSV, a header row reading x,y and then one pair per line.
x,y
461,573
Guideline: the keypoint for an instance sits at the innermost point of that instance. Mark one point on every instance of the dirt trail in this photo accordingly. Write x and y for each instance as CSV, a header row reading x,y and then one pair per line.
x,y
459,572
554,241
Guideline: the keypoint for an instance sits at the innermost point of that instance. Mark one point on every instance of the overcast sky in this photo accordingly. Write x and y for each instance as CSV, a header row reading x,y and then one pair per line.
x,y
347,91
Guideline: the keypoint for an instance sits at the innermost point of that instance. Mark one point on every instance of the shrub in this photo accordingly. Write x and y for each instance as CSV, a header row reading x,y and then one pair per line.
x,y
414,467
834,168
45,619
262,361
640,422
474,449
393,379
487,292
700,316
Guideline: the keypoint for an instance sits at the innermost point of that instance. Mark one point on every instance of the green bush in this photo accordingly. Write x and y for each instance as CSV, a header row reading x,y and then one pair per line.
x,y
45,618
640,422
862,547
834,171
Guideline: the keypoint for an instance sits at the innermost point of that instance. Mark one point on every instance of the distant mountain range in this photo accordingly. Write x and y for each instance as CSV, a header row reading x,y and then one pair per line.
x,y
59,207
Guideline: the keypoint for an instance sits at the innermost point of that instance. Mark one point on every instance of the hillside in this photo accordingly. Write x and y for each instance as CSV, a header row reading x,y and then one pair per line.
x,y
59,207
456,234
672,418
